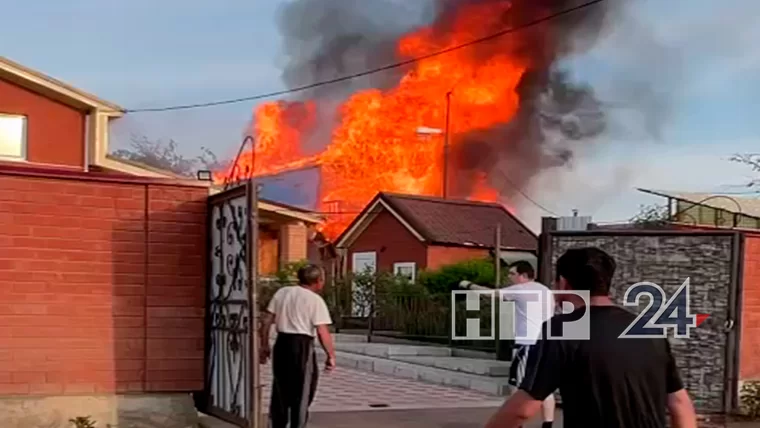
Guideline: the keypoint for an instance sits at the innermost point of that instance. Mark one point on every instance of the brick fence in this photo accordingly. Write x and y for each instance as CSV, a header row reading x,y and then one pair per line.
x,y
749,366
102,284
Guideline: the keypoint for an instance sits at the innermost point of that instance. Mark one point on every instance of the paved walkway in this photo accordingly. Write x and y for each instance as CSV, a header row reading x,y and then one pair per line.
x,y
346,390
444,418
437,418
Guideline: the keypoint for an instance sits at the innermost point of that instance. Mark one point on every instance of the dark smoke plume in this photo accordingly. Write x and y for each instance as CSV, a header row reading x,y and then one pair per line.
x,y
324,39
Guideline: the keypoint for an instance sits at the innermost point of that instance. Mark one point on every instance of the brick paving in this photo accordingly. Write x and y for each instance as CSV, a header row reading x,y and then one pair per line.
x,y
345,390
437,418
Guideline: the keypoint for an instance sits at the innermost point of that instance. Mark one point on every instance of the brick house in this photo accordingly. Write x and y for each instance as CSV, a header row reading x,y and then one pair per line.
x,y
103,266
45,123
404,234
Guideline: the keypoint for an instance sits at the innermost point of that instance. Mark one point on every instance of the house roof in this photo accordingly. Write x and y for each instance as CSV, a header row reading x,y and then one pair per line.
x,y
446,221
266,205
733,204
143,166
289,211
53,88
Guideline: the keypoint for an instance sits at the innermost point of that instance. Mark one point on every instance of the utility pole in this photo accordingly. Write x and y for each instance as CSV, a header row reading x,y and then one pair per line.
x,y
446,147
497,288
497,252
255,389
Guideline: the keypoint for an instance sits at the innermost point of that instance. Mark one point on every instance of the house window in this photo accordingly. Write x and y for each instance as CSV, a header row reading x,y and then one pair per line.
x,y
12,136
406,269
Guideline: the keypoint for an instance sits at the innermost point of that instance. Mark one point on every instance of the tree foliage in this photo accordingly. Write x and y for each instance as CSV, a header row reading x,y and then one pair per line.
x,y
164,155
751,160
655,214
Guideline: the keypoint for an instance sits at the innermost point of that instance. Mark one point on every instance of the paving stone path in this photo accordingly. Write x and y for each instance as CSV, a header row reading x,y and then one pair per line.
x,y
348,389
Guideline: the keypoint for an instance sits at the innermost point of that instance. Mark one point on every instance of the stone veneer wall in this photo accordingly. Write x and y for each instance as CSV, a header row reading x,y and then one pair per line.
x,y
668,260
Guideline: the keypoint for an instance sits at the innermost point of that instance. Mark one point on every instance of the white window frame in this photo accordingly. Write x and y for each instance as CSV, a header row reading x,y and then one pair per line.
x,y
24,137
398,266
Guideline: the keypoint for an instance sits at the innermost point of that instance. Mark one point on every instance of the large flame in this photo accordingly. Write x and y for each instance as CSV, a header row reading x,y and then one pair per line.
x,y
376,145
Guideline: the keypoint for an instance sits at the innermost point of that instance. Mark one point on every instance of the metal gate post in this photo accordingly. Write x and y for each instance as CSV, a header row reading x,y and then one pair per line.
x,y
254,393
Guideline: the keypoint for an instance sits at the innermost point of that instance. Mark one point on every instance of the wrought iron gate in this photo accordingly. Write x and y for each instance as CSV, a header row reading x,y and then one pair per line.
x,y
230,309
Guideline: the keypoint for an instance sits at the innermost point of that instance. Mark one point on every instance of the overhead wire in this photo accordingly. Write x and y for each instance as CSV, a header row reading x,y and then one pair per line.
x,y
525,195
388,67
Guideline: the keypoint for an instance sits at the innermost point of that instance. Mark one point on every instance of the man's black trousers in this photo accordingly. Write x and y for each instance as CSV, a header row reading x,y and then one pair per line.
x,y
294,365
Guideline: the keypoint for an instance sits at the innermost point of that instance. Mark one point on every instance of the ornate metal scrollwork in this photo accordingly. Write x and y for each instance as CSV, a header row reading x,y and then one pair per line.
x,y
229,327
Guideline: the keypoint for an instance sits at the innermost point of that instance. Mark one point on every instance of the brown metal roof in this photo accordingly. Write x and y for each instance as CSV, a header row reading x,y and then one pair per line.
x,y
459,222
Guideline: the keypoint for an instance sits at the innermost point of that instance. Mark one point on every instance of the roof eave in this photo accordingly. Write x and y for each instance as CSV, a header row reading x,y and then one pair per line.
x,y
56,89
291,213
356,227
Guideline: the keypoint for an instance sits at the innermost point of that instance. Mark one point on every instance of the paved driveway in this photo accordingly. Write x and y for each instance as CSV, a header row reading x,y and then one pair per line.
x,y
436,418
346,390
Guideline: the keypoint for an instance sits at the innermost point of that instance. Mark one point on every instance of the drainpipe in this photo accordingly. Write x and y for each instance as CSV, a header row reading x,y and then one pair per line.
x,y
87,137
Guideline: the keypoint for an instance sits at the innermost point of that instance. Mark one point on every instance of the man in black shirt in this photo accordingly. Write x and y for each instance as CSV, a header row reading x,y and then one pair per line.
x,y
606,381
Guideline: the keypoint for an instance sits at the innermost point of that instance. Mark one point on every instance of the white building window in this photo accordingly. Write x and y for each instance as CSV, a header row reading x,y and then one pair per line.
x,y
406,269
12,136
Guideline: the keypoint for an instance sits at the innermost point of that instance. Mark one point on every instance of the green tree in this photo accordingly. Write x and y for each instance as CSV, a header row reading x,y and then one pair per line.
x,y
164,155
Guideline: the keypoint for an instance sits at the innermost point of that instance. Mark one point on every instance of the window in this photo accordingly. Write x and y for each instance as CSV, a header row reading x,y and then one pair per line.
x,y
407,269
12,136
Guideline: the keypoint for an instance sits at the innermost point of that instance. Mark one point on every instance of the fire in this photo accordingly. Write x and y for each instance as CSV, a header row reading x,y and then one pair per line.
x,y
375,145
483,192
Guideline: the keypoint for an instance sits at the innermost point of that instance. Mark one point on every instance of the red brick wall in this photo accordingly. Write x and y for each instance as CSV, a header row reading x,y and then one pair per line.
x,y
55,131
392,242
438,256
749,348
101,286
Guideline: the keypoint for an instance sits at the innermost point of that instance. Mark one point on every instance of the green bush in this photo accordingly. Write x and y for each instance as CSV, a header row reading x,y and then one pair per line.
x,y
401,286
447,278
361,290
290,271
285,276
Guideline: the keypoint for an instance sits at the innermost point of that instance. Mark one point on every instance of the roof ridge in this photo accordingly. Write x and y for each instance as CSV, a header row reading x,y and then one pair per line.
x,y
440,200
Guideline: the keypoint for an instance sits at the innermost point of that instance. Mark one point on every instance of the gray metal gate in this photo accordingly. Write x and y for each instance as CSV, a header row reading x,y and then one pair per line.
x,y
712,260
231,366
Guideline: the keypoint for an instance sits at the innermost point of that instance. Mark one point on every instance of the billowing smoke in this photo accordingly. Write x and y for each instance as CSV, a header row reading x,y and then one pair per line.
x,y
558,115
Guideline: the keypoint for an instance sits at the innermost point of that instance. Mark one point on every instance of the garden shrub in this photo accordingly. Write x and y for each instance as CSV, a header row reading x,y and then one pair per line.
x,y
447,278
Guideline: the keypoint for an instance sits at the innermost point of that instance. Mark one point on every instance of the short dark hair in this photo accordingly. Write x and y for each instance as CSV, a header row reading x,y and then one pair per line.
x,y
523,267
588,268
309,274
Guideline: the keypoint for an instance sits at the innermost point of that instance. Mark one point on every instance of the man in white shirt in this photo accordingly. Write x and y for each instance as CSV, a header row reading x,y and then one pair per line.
x,y
528,325
299,314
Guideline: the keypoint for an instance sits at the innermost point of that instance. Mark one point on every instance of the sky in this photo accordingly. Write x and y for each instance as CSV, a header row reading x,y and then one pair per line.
x,y
701,56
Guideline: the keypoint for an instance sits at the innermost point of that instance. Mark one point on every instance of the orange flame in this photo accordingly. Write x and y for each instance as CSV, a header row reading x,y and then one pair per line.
x,y
375,146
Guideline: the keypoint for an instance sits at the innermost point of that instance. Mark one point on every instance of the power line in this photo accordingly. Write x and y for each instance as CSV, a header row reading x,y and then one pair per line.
x,y
525,195
368,72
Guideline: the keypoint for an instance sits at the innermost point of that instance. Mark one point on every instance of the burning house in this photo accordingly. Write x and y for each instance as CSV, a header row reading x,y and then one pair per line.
x,y
506,111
